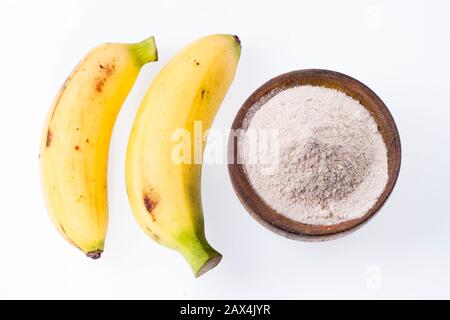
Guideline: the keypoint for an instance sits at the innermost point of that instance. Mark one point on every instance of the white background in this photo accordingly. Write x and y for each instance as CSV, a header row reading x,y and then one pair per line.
x,y
401,49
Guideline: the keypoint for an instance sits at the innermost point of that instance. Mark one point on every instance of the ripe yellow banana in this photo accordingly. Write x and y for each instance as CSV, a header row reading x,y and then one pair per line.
x,y
75,141
164,195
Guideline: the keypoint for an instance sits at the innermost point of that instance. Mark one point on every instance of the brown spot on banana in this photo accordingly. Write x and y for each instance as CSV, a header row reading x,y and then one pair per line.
x,y
48,141
100,82
150,203
106,71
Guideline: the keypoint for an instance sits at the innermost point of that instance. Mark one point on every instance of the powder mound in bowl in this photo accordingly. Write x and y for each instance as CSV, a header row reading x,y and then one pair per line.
x,y
315,155
328,172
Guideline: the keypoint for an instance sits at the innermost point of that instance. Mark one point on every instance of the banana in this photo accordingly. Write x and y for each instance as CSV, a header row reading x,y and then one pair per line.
x,y
165,195
75,141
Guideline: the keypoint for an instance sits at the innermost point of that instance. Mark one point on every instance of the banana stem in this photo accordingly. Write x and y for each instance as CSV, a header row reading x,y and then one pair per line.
x,y
145,51
200,256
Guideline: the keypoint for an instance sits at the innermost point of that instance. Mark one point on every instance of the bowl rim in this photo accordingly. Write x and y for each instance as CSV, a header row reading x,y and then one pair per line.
x,y
262,212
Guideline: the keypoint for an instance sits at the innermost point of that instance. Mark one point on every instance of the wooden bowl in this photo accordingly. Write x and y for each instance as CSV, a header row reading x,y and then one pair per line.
x,y
316,77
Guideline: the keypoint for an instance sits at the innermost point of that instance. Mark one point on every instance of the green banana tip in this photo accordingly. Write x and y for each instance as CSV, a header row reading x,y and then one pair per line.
x,y
152,45
145,51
